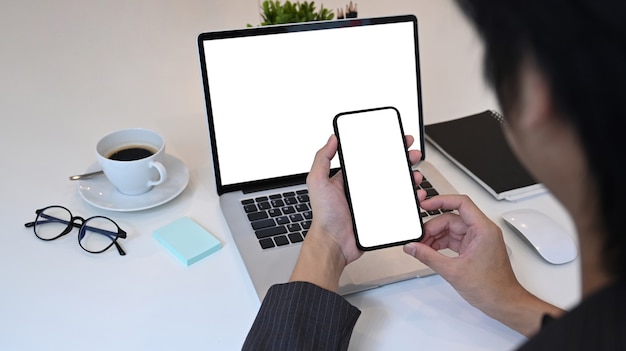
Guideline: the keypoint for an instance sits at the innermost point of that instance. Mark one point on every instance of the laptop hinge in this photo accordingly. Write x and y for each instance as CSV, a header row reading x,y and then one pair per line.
x,y
280,182
270,186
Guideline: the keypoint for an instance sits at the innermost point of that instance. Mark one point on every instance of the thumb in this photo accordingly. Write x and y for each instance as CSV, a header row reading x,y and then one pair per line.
x,y
427,255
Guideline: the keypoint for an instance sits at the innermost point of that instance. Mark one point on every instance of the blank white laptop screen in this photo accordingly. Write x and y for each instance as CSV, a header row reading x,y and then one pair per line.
x,y
273,97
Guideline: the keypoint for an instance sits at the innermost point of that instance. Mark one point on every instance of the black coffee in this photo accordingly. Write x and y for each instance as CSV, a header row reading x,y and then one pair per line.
x,y
131,153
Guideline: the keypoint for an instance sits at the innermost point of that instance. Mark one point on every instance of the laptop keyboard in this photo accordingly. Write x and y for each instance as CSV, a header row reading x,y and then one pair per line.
x,y
279,219
285,218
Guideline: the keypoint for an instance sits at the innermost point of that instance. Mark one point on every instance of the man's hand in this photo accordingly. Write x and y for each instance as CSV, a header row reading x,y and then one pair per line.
x,y
330,244
482,272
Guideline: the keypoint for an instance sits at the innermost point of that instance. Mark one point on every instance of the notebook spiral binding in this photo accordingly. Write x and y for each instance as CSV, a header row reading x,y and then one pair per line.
x,y
498,117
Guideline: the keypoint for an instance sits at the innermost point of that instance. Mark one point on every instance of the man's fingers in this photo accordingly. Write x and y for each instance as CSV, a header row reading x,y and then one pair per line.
x,y
421,195
321,163
427,255
466,208
409,140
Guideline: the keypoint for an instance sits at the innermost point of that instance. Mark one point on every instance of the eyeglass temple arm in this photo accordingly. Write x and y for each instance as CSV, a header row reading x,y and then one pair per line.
x,y
119,248
110,234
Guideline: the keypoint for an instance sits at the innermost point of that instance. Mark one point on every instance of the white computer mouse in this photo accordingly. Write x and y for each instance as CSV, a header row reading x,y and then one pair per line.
x,y
543,234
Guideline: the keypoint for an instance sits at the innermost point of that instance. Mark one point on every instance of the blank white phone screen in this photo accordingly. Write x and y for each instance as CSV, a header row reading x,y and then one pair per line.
x,y
379,178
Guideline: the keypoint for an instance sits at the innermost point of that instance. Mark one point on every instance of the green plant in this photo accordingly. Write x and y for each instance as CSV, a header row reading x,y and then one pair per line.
x,y
273,12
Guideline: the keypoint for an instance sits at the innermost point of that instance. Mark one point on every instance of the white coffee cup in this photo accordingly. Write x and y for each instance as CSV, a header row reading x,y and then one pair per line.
x,y
132,159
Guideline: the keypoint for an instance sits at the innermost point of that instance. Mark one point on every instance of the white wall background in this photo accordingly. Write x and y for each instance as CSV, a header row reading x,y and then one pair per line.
x,y
450,51
90,57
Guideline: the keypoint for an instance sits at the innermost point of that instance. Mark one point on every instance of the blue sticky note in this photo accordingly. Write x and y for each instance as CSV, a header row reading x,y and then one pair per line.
x,y
187,240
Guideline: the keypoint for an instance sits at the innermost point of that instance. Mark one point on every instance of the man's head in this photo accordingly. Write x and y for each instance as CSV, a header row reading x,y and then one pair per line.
x,y
563,61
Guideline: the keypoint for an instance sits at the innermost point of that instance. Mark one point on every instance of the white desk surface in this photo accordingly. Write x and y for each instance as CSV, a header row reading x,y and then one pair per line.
x,y
72,71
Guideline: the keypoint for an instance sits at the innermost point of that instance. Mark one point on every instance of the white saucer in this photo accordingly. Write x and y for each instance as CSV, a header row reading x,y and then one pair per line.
x,y
99,192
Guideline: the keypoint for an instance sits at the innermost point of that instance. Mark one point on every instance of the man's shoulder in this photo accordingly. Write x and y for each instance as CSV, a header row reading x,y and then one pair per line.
x,y
597,323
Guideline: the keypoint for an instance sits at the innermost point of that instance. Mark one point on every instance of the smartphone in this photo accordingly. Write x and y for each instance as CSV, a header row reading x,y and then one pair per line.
x,y
379,182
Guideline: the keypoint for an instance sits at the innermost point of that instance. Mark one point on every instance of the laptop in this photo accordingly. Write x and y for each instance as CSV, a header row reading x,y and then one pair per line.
x,y
271,94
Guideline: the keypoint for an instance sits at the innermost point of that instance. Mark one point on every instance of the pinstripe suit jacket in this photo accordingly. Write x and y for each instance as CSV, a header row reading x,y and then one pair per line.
x,y
302,316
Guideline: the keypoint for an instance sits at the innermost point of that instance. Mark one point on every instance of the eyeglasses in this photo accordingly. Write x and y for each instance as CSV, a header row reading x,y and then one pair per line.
x,y
95,234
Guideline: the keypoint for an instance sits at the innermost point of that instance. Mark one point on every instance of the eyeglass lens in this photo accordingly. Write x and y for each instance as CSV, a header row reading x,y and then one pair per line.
x,y
52,222
97,234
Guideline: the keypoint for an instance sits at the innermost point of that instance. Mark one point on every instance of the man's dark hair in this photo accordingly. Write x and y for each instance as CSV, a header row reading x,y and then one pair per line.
x,y
580,48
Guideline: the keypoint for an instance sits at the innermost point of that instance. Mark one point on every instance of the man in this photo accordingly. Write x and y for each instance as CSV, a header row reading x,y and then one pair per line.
x,y
558,68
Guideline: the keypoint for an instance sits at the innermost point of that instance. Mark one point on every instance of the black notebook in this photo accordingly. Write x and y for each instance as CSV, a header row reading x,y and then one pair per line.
x,y
476,144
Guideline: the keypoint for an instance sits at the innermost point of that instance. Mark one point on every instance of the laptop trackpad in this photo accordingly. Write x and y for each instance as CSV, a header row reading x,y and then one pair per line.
x,y
380,267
